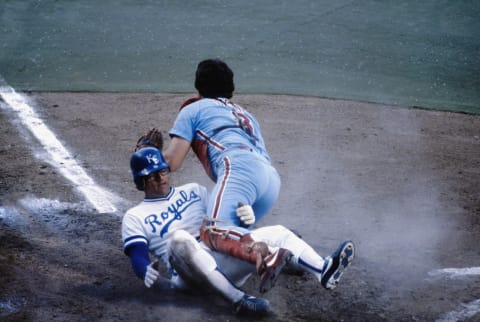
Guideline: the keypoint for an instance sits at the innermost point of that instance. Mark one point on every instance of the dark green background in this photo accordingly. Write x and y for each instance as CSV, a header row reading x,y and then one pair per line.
x,y
410,53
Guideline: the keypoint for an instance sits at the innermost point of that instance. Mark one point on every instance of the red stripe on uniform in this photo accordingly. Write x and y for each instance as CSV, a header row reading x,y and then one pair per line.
x,y
218,199
216,144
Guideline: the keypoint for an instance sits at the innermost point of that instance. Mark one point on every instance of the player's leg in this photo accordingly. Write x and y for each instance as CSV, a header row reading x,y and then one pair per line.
x,y
222,231
328,270
234,185
236,270
229,240
197,267
268,189
239,181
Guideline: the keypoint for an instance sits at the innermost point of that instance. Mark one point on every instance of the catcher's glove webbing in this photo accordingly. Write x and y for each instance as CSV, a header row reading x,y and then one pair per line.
x,y
152,138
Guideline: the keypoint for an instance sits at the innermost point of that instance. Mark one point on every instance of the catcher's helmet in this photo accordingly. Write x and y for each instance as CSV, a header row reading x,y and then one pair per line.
x,y
144,162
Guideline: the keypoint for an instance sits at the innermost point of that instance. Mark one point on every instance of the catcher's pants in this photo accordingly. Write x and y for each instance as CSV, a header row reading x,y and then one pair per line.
x,y
246,177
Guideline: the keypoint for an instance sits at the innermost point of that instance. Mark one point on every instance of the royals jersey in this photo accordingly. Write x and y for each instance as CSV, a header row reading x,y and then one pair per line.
x,y
216,125
153,220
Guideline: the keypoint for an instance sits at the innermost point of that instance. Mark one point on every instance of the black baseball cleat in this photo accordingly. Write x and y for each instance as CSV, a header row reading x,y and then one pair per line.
x,y
251,305
336,264
274,263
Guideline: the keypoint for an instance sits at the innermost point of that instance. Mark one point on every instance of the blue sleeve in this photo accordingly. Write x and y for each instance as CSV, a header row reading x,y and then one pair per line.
x,y
139,259
184,126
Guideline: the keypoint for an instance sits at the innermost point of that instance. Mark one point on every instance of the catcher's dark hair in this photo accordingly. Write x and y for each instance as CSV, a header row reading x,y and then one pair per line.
x,y
214,78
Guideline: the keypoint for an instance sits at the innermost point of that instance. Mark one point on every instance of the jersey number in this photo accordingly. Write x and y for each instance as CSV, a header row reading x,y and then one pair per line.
x,y
244,123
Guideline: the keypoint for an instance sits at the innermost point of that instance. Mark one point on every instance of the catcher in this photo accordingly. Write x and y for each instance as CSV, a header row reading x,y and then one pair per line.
x,y
227,140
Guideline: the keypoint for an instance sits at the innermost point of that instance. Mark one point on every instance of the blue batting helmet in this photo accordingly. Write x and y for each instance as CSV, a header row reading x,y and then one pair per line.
x,y
144,162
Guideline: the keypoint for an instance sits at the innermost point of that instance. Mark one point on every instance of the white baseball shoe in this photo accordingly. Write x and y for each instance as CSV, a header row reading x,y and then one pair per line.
x,y
336,264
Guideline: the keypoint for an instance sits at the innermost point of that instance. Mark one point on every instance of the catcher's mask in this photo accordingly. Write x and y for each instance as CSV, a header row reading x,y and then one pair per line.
x,y
144,162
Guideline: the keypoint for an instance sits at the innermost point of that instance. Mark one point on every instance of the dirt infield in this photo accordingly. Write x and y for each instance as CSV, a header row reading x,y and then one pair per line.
x,y
402,183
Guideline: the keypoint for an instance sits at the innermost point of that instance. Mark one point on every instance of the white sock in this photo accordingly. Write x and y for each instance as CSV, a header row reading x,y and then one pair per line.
x,y
215,278
310,261
224,286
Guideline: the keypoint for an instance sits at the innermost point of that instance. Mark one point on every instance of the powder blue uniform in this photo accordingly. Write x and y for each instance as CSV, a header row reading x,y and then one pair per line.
x,y
229,144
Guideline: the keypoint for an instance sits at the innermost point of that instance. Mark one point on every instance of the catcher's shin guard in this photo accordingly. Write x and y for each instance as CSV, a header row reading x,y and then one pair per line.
x,y
233,244
244,247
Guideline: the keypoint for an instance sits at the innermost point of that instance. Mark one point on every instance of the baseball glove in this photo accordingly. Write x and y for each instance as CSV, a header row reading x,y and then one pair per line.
x,y
153,138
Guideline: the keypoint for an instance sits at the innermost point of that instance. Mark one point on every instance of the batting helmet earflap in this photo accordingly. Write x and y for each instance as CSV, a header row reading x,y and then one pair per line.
x,y
144,162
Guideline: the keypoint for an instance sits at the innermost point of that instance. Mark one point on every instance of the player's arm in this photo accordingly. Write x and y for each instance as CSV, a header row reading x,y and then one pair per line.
x,y
176,152
140,260
135,246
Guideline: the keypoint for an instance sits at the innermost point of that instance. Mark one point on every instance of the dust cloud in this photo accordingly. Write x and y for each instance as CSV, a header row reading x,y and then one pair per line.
x,y
374,183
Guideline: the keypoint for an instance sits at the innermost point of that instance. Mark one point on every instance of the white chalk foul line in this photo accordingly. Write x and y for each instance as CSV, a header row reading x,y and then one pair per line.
x,y
60,157
467,311
455,272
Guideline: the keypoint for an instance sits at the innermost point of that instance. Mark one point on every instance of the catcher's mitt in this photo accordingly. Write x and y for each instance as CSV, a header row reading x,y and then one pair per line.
x,y
153,138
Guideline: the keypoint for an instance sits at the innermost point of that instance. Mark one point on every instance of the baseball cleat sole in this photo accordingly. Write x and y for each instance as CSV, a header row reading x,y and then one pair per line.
x,y
336,264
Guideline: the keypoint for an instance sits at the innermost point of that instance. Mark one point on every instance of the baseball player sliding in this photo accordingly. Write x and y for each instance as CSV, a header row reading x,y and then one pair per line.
x,y
168,223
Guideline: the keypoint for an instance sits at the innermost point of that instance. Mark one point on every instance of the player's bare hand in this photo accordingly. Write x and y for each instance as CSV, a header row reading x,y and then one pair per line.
x,y
151,275
246,215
